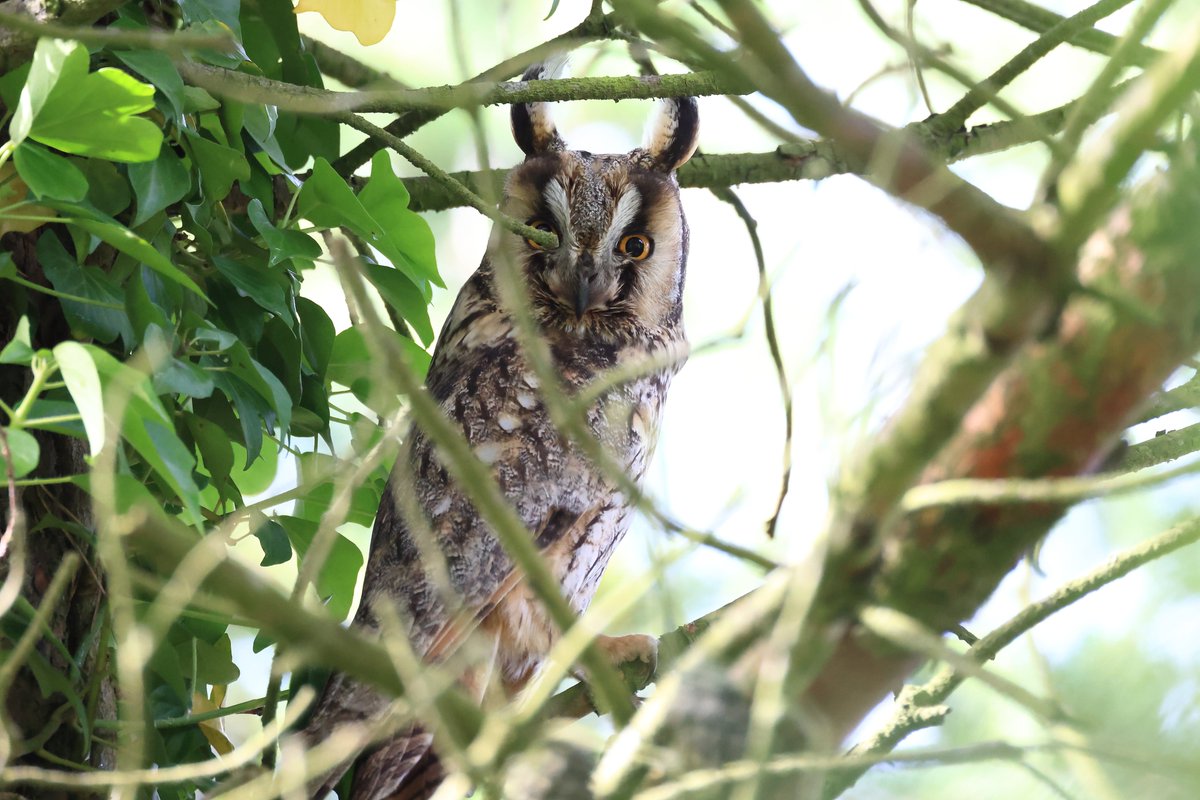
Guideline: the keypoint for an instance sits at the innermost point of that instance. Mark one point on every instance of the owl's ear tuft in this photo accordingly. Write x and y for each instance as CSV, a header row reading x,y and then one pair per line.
x,y
532,126
674,133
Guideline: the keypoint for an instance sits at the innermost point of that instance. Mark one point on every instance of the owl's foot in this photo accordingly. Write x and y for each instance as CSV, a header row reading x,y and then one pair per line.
x,y
635,654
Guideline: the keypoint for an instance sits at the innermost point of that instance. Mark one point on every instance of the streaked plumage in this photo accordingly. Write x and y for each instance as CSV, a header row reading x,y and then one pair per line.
x,y
610,293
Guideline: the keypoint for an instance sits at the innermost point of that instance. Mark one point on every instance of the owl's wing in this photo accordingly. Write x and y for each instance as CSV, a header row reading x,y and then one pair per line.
x,y
559,525
402,768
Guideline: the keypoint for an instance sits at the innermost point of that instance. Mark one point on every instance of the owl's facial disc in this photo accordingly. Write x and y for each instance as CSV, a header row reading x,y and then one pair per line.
x,y
601,237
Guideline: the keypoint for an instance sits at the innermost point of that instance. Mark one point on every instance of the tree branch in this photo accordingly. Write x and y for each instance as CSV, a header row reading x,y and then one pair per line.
x,y
296,99
16,46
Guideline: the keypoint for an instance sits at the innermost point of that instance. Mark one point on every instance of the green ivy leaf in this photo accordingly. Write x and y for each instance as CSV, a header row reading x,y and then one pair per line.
x,y
49,175
141,308
49,61
90,114
159,70
112,232
283,244
277,548
404,297
158,183
183,377
97,306
219,166
263,381
316,335
217,453
339,574
19,350
252,411
214,662
255,280
108,190
407,241
328,202
25,453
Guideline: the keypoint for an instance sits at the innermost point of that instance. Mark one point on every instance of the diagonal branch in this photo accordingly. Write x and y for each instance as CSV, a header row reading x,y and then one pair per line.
x,y
1040,20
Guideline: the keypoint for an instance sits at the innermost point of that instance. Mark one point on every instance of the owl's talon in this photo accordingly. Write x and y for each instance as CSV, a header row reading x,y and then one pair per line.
x,y
635,654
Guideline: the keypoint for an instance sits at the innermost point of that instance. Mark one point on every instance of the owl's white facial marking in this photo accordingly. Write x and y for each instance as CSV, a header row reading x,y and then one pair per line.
x,y
627,209
555,195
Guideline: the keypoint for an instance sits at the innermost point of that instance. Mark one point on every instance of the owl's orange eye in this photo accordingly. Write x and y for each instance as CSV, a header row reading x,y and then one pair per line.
x,y
636,245
541,225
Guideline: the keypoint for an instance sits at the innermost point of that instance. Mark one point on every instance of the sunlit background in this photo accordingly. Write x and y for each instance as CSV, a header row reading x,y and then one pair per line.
x,y
861,284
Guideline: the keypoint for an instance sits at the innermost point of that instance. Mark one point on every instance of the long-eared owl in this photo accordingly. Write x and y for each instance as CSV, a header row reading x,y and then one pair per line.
x,y
609,294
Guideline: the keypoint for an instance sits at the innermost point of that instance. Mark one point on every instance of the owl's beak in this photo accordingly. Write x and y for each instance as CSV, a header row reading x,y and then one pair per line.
x,y
585,271
582,299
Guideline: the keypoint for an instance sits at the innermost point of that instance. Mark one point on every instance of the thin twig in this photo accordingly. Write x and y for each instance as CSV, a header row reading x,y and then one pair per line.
x,y
954,117
966,491
785,389
1092,105
1039,20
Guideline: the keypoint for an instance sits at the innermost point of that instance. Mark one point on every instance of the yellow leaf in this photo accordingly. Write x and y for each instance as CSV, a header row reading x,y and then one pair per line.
x,y
368,20
212,729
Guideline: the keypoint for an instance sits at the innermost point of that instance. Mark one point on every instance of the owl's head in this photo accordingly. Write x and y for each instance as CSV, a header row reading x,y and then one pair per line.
x,y
622,236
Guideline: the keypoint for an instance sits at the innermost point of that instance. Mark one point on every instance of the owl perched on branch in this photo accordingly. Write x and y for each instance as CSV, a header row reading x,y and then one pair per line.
x,y
609,294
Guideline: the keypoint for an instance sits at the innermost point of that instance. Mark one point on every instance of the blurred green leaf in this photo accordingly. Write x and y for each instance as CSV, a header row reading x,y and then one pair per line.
x,y
353,364
25,453
214,662
148,427
83,382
